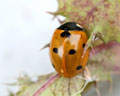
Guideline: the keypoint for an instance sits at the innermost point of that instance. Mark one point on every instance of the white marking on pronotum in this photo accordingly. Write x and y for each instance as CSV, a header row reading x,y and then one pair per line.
x,y
79,25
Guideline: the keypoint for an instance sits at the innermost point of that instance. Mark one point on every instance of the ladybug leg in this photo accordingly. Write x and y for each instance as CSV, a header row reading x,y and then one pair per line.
x,y
94,36
87,74
45,46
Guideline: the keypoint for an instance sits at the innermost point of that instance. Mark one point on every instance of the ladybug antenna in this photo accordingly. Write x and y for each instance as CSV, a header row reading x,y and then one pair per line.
x,y
92,49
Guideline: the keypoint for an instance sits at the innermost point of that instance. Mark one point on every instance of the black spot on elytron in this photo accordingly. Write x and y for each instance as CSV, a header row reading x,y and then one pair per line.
x,y
79,67
53,65
70,26
83,45
55,50
72,51
65,34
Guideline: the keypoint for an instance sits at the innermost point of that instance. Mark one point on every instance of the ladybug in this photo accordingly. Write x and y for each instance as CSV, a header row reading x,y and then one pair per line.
x,y
66,49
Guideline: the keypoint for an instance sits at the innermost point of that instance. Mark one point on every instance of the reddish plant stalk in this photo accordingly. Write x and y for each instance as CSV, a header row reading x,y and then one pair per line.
x,y
41,89
103,46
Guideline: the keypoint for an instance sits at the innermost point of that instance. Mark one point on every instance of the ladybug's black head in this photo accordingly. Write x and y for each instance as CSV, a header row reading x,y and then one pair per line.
x,y
70,26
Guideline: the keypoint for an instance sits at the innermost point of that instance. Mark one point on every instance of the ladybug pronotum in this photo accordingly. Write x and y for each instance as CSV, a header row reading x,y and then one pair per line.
x,y
66,49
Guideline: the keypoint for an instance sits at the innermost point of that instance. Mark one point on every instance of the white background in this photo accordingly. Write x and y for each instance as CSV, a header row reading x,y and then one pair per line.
x,y
24,28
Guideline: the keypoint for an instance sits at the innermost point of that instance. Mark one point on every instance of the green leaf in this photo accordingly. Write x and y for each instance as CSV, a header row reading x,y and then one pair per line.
x,y
60,87
95,15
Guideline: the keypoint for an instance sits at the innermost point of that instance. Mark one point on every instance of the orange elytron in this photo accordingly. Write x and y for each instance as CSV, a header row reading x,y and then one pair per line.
x,y
66,49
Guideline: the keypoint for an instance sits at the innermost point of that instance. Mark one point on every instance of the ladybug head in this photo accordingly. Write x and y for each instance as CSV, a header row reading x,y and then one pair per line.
x,y
70,26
